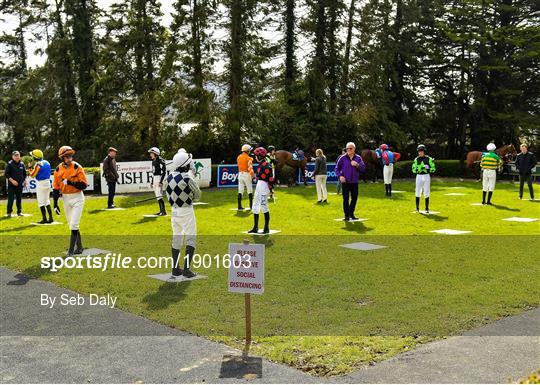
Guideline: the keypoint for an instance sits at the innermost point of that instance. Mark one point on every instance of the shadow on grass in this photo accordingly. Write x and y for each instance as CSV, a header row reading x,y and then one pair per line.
x,y
166,295
17,228
435,217
506,208
242,214
357,227
145,220
35,271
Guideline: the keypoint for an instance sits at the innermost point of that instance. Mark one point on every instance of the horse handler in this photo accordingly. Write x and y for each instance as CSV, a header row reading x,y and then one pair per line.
x,y
70,181
525,162
182,190
245,175
490,163
262,191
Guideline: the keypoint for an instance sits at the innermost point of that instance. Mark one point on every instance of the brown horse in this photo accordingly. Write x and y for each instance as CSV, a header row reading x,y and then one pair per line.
x,y
373,165
474,157
284,157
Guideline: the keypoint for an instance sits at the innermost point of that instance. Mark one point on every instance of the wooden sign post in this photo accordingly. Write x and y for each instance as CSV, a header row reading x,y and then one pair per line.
x,y
246,275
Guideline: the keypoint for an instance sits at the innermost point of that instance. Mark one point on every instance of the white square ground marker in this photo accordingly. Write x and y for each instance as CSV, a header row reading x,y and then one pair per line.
x,y
351,220
455,187
199,203
477,204
91,252
398,191
426,213
46,224
450,231
261,232
244,209
168,277
154,216
520,219
113,209
363,246
455,194
22,215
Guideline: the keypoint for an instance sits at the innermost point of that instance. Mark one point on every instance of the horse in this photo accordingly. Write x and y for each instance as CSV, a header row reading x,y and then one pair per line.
x,y
284,157
473,158
373,164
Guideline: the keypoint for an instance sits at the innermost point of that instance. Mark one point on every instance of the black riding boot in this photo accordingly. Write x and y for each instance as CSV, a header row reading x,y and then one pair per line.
x,y
266,223
190,250
386,189
43,215
80,247
484,197
490,194
389,189
162,211
49,211
417,203
427,205
250,200
240,202
176,270
72,243
255,228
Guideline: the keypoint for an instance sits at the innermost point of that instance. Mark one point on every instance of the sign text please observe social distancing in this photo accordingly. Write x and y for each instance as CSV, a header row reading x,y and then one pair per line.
x,y
246,273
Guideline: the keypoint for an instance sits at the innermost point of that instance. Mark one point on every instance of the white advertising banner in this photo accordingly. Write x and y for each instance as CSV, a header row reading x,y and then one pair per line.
x,y
137,176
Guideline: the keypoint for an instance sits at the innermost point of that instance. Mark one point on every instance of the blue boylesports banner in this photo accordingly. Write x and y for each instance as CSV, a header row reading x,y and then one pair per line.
x,y
227,174
310,168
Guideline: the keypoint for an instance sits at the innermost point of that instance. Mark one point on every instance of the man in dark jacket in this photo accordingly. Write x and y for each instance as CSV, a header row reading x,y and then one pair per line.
x,y
16,176
525,162
110,173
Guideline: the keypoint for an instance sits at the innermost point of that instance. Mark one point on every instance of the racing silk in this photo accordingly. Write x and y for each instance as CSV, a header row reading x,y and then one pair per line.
x,y
41,170
490,161
182,190
423,165
73,175
264,173
159,168
245,163
271,159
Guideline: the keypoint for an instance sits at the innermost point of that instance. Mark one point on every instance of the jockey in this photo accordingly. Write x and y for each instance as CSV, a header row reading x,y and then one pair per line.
x,y
70,180
489,163
182,190
423,165
387,159
42,172
159,170
245,175
265,181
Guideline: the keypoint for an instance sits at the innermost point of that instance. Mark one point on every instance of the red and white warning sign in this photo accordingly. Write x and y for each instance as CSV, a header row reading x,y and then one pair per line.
x,y
246,273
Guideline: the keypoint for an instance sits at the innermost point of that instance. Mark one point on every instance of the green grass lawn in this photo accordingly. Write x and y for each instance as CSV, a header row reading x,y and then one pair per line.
x,y
326,309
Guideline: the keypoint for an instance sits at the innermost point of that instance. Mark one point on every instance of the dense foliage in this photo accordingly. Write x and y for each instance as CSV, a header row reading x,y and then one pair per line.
x,y
451,74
